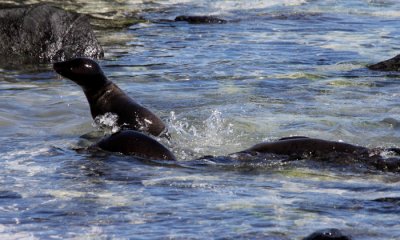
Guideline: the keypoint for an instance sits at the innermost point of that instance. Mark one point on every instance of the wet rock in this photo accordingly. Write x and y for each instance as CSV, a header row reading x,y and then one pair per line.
x,y
200,19
45,33
392,64
327,234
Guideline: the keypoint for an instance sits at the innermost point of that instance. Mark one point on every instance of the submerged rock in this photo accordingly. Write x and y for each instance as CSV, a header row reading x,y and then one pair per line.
x,y
45,33
392,64
327,234
200,19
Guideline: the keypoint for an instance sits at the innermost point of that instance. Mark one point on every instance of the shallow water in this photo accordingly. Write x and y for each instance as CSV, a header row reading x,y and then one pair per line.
x,y
276,69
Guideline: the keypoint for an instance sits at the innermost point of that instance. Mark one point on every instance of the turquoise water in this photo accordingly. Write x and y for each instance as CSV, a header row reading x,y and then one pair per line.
x,y
276,69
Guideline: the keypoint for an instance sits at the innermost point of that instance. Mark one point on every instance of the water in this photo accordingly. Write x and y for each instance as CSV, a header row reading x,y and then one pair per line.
x,y
278,68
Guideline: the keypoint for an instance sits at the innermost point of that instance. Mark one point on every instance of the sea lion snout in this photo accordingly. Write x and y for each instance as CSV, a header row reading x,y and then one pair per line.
x,y
58,67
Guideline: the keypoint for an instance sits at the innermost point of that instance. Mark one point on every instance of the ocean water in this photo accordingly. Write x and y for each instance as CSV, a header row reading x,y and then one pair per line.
x,y
278,68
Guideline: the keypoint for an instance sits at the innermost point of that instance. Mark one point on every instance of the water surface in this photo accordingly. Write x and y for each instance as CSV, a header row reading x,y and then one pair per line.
x,y
276,69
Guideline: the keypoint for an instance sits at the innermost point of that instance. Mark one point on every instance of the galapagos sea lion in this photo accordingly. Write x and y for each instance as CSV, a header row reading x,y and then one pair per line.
x,y
301,146
130,142
106,97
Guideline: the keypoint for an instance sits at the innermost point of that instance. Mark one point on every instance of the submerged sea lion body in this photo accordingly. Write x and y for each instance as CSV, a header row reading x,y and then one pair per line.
x,y
106,97
131,142
338,152
306,146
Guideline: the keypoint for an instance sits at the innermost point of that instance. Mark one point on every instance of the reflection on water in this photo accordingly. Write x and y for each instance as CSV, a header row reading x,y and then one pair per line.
x,y
276,69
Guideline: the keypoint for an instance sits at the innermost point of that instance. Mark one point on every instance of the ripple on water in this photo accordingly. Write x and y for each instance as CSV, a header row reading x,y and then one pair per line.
x,y
276,69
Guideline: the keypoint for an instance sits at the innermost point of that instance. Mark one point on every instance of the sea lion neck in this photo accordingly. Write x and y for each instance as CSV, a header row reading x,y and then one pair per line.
x,y
98,89
97,84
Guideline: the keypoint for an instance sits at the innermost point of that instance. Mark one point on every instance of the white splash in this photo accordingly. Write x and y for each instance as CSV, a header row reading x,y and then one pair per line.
x,y
143,124
212,136
107,122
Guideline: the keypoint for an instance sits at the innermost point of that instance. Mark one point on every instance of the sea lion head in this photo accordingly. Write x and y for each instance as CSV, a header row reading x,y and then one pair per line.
x,y
83,71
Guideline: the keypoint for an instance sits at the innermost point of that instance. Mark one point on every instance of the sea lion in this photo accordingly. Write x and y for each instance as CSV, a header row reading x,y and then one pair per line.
x,y
131,142
106,97
300,147
306,146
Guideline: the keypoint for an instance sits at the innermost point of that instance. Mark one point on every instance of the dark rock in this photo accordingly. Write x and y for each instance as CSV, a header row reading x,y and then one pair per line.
x,y
45,33
200,19
392,64
327,234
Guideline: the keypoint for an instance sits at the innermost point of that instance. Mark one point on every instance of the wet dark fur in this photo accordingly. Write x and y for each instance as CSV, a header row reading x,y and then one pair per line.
x,y
104,96
131,142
